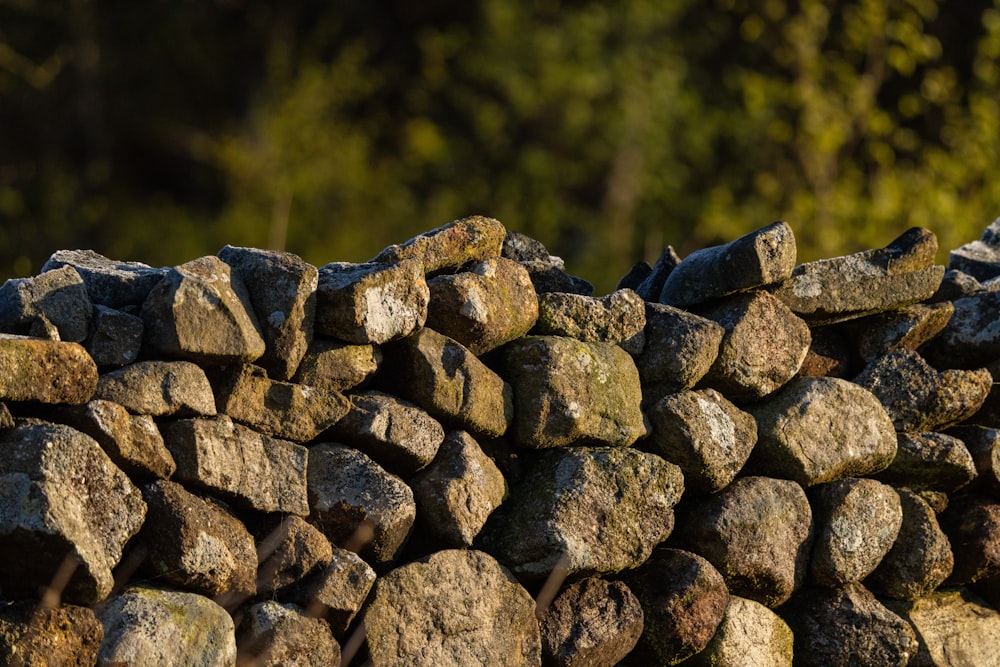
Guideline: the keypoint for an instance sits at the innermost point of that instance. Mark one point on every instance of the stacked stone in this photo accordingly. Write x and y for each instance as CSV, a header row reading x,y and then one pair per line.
x,y
454,454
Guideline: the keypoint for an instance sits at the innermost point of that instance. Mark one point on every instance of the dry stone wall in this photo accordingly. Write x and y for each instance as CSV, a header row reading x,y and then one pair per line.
x,y
456,455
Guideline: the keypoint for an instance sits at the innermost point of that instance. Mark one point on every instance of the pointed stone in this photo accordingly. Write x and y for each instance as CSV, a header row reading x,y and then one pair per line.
x,y
47,371
450,247
109,282
337,366
547,272
52,305
652,285
159,389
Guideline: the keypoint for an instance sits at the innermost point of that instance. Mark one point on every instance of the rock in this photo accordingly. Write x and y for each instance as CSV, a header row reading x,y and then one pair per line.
x,y
749,634
956,285
972,524
201,312
569,392
443,377
371,303
452,246
453,608
592,623
458,491
759,258
983,444
979,259
546,271
829,355
864,283
357,504
66,504
680,348
148,626
904,329
272,634
194,544
52,305
856,523
491,304
6,419
619,318
249,469
115,338
285,410
159,389
802,430
47,371
953,628
288,551
703,433
847,627
683,600
758,534
652,284
109,282
589,510
972,336
282,290
335,366
35,636
933,461
522,248
335,593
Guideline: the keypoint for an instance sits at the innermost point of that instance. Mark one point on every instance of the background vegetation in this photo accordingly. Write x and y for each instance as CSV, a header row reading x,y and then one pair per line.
x,y
158,131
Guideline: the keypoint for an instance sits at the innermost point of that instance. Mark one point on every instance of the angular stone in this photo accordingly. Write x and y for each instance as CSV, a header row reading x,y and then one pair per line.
x,y
201,312
451,246
756,259
371,303
983,444
283,410
32,635
763,347
109,282
336,593
194,544
817,430
282,290
758,534
593,623
972,524
703,433
569,392
906,328
148,626
336,366
458,491
864,283
491,304
159,389
290,550
522,248
829,355
272,634
652,285
930,461
749,634
680,348
919,398
589,510
441,376
979,259
953,628
856,523
64,504
401,437
683,600
46,371
6,419
547,272
956,285
972,336
619,318
249,469
115,338
455,607
357,504
52,305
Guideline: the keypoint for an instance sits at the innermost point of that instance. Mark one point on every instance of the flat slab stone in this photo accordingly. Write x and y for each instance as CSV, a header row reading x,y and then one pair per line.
x,y
906,328
338,366
971,338
619,317
930,461
451,246
47,371
159,389
109,282
52,305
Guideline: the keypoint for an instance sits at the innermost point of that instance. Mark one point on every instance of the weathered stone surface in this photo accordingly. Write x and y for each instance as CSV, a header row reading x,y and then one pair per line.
x,y
456,607
159,389
201,312
371,303
763,347
983,444
34,636
866,282
272,635
336,593
47,371
619,317
160,628
400,436
357,504
955,285
683,600
705,434
458,491
652,284
336,366
547,272
491,304
906,328
817,430
290,550
115,338
759,258
979,259
590,510
920,559
52,305
847,627
6,419
249,469
680,348
933,461
451,246
972,336
829,355
569,392
441,376
758,534
282,290
109,282
972,524
749,634
64,508
593,623
856,523
953,628
283,410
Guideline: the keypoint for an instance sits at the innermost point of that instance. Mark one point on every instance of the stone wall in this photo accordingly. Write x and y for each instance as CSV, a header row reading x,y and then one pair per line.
x,y
456,455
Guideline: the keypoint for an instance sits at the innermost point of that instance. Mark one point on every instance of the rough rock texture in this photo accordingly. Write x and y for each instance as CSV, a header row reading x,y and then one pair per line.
x,y
288,552
335,593
159,389
749,634
680,348
981,258
972,336
52,305
972,524
39,637
547,272
273,635
983,444
46,371
906,328
451,246
930,461
953,628
651,279
619,317
336,366
115,338
109,282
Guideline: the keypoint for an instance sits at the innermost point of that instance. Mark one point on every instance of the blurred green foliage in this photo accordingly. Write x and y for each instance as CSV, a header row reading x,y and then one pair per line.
x,y
159,131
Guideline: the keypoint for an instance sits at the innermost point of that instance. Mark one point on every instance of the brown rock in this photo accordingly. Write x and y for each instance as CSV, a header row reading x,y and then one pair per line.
x,y
452,246
749,634
335,593
930,461
618,318
47,371
953,628
972,524
288,551
829,355
32,635
274,635
336,366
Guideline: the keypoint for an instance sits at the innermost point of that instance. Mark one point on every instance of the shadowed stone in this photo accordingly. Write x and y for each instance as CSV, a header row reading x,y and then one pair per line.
x,y
32,369
652,284
619,318
333,365
680,348
983,444
906,328
159,388
953,628
52,305
932,461
451,246
547,272
115,337
749,634
979,259
972,524
34,636
288,551
336,593
109,282
272,635
972,336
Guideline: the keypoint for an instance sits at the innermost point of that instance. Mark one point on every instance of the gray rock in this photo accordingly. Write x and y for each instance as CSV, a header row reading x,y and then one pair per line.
x,y
371,303
979,259
336,593
522,248
983,444
109,282
758,534
680,348
569,392
930,461
32,635
547,272
333,365
972,336
651,286
759,258
453,608
749,634
450,247
201,312
956,285
589,510
289,551
160,628
829,355
953,628
972,524
282,291
52,305
65,506
159,389
906,328
273,635
45,371
801,431
619,318
115,337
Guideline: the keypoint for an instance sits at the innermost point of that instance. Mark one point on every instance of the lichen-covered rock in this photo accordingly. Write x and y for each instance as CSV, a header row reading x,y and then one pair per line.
x,y
972,524
288,551
749,634
109,282
46,371
159,389
953,628
335,593
905,328
619,318
336,366
32,635
680,348
52,305
451,246
274,635
115,338
933,461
